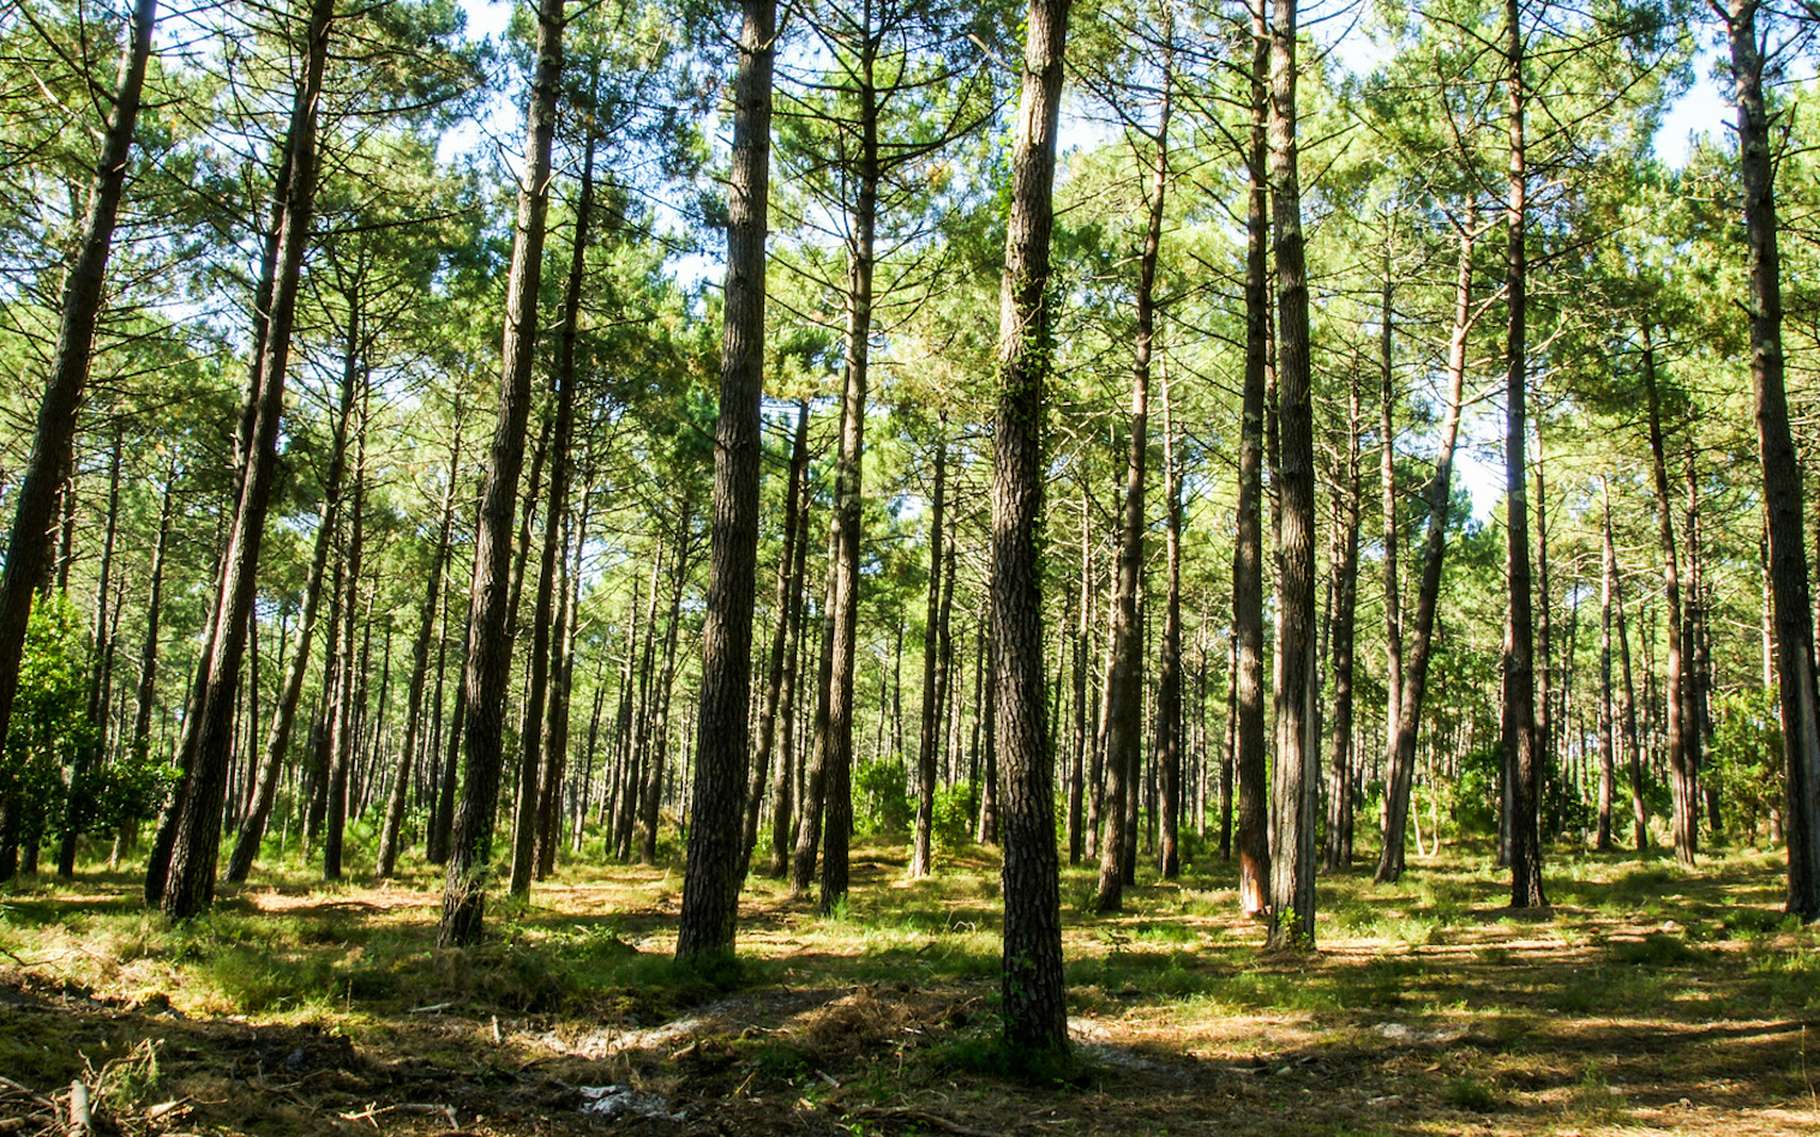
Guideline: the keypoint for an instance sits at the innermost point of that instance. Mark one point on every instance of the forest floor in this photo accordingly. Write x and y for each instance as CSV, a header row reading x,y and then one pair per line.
x,y
1650,999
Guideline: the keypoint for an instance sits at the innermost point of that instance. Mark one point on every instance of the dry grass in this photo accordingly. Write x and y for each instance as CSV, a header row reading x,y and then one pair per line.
x,y
1649,1000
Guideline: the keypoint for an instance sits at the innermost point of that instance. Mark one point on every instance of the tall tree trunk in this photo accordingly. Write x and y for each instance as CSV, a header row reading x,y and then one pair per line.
x,y
1080,647
1297,768
787,583
1345,611
1607,757
53,442
189,885
657,760
489,655
814,798
1033,1001
1679,729
420,665
844,570
562,377
1522,760
1124,706
922,853
555,726
1787,558
78,799
783,785
1248,545
284,714
1169,678
353,685
1400,774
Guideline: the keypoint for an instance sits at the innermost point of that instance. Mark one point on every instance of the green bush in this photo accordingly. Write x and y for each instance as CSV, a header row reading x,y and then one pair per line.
x,y
882,796
955,808
1745,758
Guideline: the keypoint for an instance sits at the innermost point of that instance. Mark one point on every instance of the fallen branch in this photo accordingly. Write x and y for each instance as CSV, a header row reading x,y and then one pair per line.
x,y
923,1117
82,1122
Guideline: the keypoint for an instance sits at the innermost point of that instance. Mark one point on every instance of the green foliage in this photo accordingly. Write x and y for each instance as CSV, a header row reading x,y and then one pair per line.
x,y
51,735
881,790
955,808
1745,758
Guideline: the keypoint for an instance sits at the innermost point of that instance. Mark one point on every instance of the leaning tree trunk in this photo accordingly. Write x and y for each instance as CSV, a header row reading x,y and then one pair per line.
x,y
489,656
1400,776
28,547
537,684
1522,761
1035,1006
1781,471
284,715
1297,769
1248,545
189,885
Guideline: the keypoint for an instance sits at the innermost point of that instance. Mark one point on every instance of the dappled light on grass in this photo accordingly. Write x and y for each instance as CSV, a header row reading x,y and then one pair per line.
x,y
1650,998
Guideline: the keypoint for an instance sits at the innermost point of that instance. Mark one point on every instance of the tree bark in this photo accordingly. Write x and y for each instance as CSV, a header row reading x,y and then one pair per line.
x,y
489,655
1297,769
189,885
420,665
284,714
1678,727
1345,611
1400,775
1033,1001
787,583
1787,558
53,441
353,687
922,854
1607,751
1248,546
1522,759
1124,706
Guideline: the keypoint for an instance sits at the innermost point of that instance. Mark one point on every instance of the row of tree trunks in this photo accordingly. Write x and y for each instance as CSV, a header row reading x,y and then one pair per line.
x,y
53,440
487,670
186,884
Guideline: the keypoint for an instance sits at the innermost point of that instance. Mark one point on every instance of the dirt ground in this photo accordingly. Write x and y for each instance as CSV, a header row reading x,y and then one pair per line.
x,y
1648,1000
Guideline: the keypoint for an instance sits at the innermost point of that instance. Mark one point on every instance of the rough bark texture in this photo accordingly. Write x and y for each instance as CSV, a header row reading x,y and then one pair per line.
x,y
1345,610
1034,1004
189,884
1248,546
1522,760
1677,727
1297,769
543,647
487,671
284,715
710,906
1781,470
